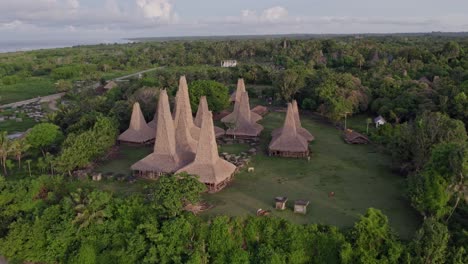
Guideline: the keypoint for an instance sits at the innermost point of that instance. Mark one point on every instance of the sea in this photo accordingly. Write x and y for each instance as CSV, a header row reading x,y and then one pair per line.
x,y
26,45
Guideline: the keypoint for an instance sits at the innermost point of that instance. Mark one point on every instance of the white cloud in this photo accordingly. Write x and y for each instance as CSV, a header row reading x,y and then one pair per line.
x,y
75,4
161,10
274,13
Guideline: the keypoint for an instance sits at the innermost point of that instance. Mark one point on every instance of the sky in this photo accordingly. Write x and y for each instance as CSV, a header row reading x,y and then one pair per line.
x,y
108,20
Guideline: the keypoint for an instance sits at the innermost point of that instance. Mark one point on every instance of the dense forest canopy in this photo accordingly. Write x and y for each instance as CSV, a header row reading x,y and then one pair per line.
x,y
419,84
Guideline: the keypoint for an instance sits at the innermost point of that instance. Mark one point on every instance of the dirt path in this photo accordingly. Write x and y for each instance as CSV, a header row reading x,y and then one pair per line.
x,y
43,99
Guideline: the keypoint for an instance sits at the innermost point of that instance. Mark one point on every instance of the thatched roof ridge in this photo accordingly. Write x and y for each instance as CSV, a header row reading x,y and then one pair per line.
x,y
236,95
289,140
154,123
207,164
138,131
232,117
164,157
183,108
203,108
300,130
244,125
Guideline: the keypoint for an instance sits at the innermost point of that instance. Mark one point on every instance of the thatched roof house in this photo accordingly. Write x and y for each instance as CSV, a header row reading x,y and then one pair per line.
x,y
183,109
289,143
244,125
353,137
212,170
236,95
138,132
231,118
202,109
110,85
297,120
164,158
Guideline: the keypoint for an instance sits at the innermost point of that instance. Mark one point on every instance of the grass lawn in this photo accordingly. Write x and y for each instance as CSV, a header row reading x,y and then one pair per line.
x,y
12,126
26,89
126,157
359,176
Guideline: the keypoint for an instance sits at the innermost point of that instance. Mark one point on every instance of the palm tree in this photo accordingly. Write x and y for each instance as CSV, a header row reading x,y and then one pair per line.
x,y
5,150
18,148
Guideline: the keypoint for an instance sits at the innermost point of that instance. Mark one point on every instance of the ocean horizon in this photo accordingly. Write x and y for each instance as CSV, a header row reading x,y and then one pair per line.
x,y
29,45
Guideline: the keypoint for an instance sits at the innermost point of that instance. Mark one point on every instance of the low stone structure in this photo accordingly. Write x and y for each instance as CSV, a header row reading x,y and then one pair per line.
x,y
353,137
300,206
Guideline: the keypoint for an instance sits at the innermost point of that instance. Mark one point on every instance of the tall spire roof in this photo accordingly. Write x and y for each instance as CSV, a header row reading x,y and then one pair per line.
x,y
138,131
288,140
302,131
236,95
203,108
164,158
183,109
153,123
232,117
207,164
244,124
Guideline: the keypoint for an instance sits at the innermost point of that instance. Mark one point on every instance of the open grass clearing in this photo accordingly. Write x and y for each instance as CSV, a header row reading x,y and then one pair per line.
x,y
360,176
26,89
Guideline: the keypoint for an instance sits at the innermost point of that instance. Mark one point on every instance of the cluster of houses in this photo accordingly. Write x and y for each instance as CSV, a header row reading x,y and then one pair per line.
x,y
186,144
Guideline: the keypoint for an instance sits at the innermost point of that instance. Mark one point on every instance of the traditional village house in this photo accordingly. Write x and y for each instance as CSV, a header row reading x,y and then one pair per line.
x,y
280,203
244,126
232,117
164,158
110,85
300,206
353,137
202,108
236,95
287,142
138,132
212,170
297,120
183,109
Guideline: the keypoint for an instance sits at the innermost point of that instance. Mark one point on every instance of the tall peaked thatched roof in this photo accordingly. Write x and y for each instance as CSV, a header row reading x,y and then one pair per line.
x,y
232,117
153,123
186,146
183,109
302,131
236,95
138,131
164,157
289,140
207,164
203,108
244,125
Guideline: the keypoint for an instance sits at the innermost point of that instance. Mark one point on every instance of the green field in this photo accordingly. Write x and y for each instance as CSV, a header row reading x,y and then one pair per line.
x,y
359,175
26,89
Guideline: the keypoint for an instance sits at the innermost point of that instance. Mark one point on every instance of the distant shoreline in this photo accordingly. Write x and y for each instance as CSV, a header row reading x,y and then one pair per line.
x,y
31,45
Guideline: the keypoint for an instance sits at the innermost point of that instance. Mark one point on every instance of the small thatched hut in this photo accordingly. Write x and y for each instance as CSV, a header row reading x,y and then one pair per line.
x,y
164,158
138,132
212,170
244,126
288,143
353,137
202,108
280,203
